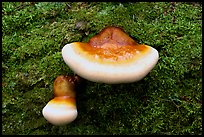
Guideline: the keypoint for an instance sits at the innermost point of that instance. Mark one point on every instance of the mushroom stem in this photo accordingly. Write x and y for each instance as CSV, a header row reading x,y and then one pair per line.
x,y
62,108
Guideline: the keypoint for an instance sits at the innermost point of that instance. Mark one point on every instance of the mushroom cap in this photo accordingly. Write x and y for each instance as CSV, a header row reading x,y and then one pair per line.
x,y
60,110
110,57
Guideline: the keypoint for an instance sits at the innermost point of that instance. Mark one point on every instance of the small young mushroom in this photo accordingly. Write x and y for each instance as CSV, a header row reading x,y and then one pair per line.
x,y
62,108
110,57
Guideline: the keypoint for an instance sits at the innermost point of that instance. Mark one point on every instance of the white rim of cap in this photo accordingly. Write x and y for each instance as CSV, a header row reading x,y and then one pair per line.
x,y
59,113
109,73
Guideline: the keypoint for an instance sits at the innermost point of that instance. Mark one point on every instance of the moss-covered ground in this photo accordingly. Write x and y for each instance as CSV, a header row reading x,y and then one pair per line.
x,y
167,101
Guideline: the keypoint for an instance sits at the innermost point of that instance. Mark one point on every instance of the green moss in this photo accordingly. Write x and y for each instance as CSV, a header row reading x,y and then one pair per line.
x,y
167,101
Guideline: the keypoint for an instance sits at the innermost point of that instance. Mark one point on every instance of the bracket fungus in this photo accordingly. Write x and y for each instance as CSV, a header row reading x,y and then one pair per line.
x,y
62,108
110,57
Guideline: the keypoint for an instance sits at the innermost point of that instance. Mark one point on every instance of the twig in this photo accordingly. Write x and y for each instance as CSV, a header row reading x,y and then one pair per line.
x,y
172,10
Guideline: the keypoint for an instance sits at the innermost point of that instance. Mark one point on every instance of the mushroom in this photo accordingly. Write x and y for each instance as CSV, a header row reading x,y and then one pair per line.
x,y
110,57
62,108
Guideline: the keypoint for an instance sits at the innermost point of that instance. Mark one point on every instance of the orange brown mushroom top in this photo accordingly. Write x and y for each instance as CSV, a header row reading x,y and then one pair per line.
x,y
111,45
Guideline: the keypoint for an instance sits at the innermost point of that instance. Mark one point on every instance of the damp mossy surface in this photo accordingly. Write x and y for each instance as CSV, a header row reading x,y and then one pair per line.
x,y
168,101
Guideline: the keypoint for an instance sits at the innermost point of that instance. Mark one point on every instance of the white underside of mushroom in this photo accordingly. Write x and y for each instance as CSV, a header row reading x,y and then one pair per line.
x,y
107,73
59,114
